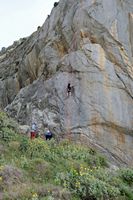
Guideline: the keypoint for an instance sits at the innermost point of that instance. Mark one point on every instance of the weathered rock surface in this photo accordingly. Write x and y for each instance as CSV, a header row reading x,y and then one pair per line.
x,y
88,43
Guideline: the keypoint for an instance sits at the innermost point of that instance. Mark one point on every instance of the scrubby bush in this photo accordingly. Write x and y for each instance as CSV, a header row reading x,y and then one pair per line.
x,y
8,128
5,121
56,4
86,185
44,170
7,134
127,175
39,170
10,175
23,147
126,191
38,148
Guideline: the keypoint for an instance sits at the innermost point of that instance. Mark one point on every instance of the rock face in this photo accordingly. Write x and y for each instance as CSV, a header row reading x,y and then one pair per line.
x,y
88,43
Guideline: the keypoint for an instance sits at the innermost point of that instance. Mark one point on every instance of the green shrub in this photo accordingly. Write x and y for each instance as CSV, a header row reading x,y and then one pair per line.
x,y
40,170
24,144
86,185
102,161
8,128
38,148
126,191
23,162
127,175
5,121
7,134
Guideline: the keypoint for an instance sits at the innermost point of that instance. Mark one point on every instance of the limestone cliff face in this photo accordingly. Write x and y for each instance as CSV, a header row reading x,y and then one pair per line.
x,y
88,43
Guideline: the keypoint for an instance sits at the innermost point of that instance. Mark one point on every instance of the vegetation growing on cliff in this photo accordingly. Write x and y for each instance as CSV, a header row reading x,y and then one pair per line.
x,y
40,170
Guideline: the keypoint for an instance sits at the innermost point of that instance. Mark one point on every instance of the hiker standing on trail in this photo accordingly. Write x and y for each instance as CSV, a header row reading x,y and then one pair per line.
x,y
48,134
33,130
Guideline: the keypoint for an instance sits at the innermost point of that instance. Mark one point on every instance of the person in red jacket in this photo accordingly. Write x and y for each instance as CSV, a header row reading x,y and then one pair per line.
x,y
33,132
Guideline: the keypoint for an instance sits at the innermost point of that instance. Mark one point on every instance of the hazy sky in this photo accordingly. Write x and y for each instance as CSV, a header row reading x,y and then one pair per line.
x,y
20,18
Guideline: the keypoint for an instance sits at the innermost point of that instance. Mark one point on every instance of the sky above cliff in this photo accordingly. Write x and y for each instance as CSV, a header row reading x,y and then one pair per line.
x,y
20,18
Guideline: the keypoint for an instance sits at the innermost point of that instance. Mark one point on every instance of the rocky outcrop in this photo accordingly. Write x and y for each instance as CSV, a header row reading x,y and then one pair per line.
x,y
88,43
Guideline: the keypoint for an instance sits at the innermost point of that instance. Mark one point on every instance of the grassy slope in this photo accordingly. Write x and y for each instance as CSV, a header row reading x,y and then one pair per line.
x,y
33,170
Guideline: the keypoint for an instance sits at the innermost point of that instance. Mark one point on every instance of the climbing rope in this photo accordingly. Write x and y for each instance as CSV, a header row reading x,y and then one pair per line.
x,y
68,109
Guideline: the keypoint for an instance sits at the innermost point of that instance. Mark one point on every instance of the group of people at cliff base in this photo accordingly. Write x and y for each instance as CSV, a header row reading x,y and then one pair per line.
x,y
34,132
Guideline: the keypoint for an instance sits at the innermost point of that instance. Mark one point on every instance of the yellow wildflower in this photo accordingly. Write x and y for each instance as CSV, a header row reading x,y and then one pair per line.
x,y
77,184
35,195
1,167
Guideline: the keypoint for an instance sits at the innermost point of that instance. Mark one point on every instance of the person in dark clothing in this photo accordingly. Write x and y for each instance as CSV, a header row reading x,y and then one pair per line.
x,y
48,135
69,89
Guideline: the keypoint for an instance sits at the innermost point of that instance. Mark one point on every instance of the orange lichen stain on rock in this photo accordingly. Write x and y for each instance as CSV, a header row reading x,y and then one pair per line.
x,y
93,1
101,60
93,39
83,34
95,120
113,30
117,135
106,83
60,47
121,138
